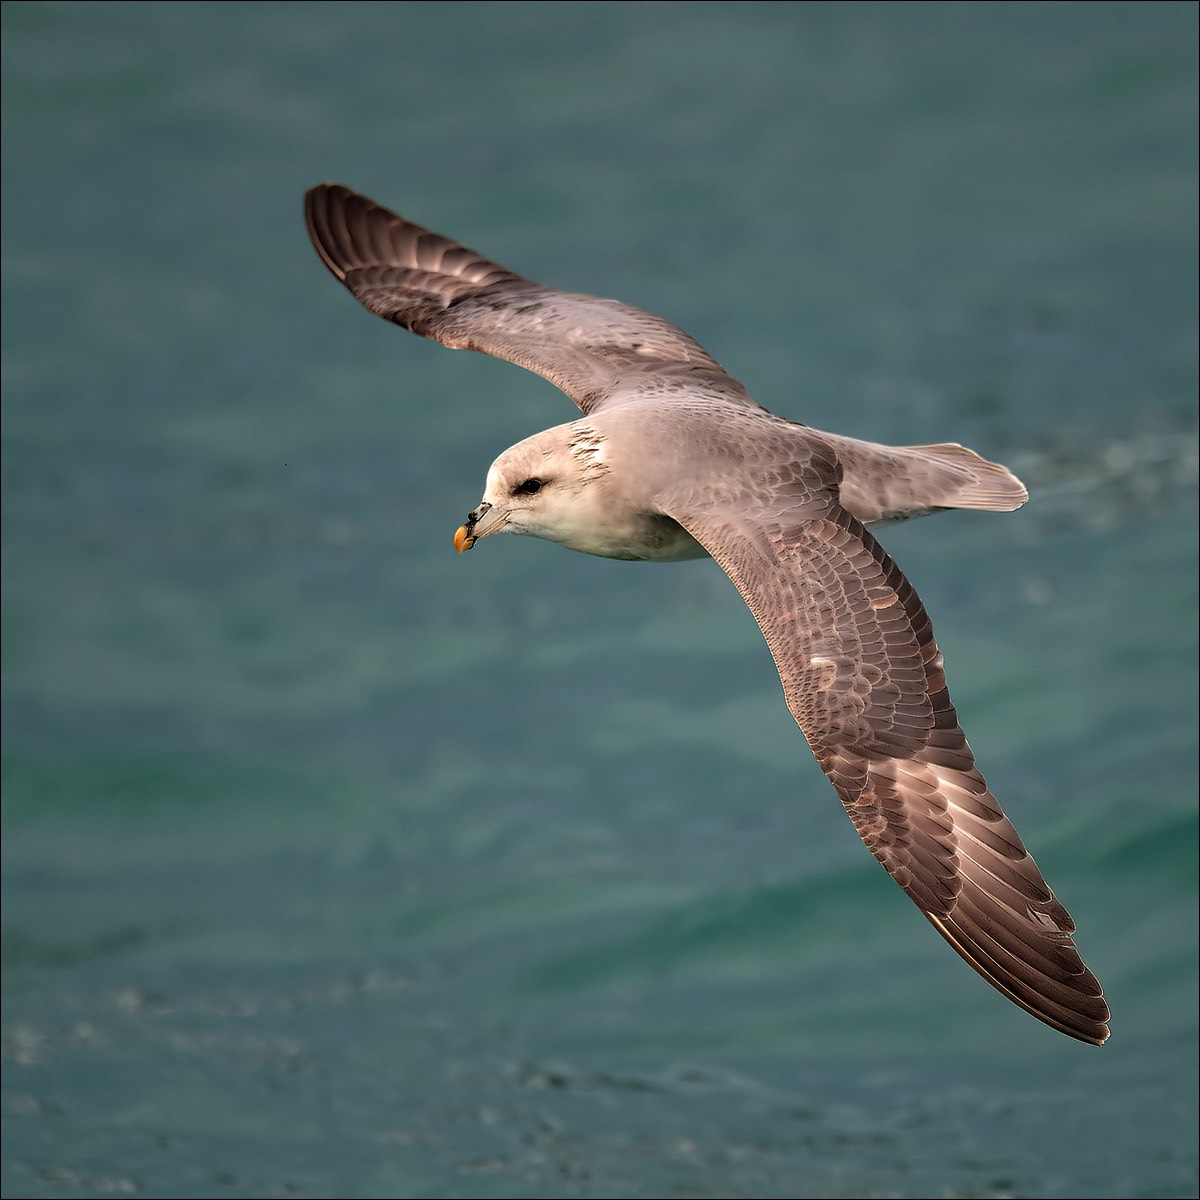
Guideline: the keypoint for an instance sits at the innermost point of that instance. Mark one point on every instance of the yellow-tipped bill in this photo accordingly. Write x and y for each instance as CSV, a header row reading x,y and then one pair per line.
x,y
483,521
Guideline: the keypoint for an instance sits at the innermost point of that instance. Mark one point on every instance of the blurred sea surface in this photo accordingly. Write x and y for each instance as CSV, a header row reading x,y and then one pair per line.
x,y
336,864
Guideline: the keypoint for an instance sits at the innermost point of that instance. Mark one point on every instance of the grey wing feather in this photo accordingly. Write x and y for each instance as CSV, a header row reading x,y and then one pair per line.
x,y
437,288
863,677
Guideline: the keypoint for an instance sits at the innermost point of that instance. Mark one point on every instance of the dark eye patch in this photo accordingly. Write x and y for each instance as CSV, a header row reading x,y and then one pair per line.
x,y
529,487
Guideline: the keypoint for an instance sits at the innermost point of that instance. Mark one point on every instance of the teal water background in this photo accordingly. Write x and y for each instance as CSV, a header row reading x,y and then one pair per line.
x,y
337,864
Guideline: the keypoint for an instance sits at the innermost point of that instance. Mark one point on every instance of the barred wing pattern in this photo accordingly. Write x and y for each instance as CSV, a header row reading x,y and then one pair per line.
x,y
441,290
862,675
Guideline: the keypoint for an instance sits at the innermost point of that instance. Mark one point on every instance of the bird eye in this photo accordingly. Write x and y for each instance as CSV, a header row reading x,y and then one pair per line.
x,y
529,487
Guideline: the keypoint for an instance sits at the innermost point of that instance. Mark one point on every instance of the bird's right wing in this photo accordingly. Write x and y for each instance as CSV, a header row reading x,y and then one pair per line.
x,y
439,289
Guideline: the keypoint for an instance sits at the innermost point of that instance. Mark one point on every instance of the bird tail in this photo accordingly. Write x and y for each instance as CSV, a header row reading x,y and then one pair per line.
x,y
881,484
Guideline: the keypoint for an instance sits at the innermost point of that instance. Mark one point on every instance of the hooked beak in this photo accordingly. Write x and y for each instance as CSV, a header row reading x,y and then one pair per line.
x,y
484,520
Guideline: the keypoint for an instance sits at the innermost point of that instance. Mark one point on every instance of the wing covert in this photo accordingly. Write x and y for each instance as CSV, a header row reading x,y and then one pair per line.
x,y
439,289
863,676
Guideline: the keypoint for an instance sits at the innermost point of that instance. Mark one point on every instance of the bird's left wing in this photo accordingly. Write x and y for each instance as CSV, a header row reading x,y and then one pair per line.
x,y
863,677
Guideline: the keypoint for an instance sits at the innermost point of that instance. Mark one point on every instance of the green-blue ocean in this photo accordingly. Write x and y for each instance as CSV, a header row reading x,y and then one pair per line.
x,y
337,864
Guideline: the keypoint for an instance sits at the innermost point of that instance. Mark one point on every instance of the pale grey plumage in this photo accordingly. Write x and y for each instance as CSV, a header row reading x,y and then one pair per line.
x,y
671,460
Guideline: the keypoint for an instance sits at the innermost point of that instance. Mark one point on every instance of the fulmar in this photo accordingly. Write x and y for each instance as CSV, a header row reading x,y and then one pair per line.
x,y
671,459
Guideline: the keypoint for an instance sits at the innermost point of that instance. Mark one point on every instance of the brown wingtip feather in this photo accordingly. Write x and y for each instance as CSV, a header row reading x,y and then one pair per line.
x,y
319,205
1075,1005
